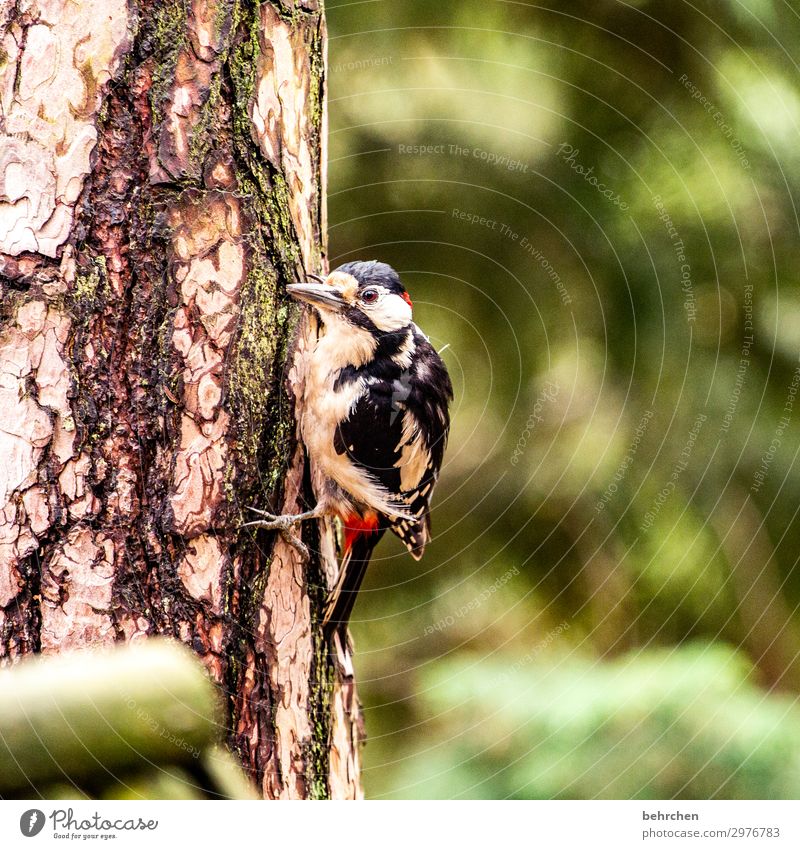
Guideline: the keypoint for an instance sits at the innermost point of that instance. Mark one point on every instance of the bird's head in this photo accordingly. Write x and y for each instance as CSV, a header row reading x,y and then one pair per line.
x,y
367,295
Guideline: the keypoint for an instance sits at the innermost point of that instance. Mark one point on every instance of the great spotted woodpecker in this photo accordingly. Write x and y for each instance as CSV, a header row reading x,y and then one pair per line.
x,y
374,419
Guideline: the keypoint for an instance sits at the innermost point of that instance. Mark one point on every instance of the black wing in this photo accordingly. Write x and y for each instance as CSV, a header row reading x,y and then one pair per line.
x,y
397,431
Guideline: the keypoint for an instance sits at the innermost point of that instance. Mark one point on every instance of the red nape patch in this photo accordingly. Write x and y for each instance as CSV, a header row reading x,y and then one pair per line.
x,y
407,298
355,526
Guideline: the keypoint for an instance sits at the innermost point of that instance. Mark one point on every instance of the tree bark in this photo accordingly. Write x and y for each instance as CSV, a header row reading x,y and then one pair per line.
x,y
162,175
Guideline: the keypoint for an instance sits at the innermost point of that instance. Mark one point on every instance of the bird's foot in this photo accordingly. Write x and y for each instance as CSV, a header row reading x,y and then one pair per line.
x,y
284,525
272,522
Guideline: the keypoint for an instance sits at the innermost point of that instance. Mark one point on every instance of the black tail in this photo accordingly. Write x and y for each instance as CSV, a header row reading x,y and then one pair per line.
x,y
351,573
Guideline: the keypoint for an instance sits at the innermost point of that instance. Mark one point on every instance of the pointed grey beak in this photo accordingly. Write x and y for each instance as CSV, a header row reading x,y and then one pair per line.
x,y
318,295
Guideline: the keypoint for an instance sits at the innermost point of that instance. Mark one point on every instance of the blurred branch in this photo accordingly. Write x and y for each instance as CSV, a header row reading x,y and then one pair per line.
x,y
90,718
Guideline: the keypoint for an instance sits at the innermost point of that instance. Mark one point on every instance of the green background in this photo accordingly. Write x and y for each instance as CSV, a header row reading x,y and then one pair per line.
x,y
602,612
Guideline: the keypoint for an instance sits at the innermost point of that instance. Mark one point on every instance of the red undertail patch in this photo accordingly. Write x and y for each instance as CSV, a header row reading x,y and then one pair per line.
x,y
355,526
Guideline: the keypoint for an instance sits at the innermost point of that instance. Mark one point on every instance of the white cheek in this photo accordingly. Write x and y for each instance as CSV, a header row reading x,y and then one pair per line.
x,y
391,313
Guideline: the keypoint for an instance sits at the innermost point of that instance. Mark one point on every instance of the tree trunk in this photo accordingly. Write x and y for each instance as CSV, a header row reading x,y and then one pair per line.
x,y
162,178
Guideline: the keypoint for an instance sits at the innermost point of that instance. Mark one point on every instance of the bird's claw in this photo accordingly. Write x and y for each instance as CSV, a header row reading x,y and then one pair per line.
x,y
297,544
270,522
282,524
265,517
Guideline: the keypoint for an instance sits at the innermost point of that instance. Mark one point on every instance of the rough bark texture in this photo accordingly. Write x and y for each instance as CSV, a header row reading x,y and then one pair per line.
x,y
161,180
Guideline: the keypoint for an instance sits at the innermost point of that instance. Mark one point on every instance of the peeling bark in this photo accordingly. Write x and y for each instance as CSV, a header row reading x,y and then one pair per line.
x,y
161,180
58,58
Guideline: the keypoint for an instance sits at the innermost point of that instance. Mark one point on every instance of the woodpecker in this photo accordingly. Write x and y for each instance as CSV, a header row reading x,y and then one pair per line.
x,y
374,419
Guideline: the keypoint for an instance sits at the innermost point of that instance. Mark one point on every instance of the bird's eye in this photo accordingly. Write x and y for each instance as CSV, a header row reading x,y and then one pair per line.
x,y
369,296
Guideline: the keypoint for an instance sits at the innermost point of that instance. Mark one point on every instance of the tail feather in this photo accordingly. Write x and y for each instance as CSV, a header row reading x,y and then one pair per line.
x,y
414,534
360,542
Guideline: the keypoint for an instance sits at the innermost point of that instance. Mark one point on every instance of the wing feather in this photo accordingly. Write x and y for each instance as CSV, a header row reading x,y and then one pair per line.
x,y
396,433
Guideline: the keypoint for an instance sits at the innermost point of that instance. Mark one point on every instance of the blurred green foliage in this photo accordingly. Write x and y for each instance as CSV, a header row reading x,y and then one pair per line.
x,y
599,197
656,725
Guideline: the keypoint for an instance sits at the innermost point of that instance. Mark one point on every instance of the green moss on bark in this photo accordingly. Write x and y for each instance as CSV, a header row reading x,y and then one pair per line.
x,y
202,137
90,285
318,754
168,38
268,323
265,419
